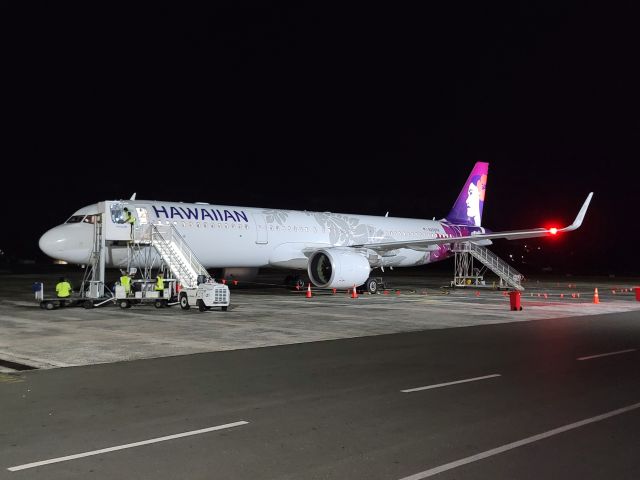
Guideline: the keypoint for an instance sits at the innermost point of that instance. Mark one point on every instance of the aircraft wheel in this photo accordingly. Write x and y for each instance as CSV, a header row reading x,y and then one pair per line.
x,y
371,286
184,302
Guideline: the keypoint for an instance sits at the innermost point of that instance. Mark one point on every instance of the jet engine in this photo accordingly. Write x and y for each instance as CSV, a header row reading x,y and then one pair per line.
x,y
337,268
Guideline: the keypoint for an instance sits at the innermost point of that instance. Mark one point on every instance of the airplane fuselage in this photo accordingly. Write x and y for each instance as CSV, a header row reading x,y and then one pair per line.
x,y
231,236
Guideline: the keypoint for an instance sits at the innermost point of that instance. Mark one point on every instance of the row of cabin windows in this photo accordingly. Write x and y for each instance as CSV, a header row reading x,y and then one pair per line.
x,y
290,228
232,226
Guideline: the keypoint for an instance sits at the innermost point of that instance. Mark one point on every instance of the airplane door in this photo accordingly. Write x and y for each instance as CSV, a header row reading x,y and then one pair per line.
x,y
261,228
145,219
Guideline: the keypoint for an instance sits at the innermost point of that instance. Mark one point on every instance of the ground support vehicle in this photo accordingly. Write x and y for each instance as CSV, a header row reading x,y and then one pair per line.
x,y
205,296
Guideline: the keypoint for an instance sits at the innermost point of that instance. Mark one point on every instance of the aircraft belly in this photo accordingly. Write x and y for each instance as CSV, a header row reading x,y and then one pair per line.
x,y
289,255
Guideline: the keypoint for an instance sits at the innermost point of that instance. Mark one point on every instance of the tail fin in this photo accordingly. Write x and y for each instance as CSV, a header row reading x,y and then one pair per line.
x,y
468,207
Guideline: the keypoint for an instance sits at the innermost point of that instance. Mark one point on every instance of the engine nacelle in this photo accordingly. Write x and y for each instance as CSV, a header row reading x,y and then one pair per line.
x,y
338,268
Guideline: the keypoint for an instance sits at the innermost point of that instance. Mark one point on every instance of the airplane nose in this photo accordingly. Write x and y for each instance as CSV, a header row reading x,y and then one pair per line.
x,y
51,243
70,242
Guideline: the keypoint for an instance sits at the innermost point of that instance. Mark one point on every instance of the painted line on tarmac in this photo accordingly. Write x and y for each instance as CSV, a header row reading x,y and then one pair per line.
x,y
122,447
525,441
606,354
429,387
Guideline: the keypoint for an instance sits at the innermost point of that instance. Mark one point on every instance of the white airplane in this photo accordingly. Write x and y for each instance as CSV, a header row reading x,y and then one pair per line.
x,y
338,250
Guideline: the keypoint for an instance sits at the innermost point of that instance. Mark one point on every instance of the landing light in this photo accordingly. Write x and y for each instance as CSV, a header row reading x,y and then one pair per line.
x,y
553,230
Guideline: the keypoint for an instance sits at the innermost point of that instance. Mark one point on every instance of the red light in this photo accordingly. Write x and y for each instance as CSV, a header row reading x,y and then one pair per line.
x,y
553,230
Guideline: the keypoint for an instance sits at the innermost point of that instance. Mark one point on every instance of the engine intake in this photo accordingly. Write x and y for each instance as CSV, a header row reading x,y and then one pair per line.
x,y
338,268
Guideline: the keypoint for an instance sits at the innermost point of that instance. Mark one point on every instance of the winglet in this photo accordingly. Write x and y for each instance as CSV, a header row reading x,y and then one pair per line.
x,y
133,197
580,217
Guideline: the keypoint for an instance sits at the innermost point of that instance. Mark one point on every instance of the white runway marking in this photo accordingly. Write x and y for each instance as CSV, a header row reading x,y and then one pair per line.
x,y
510,446
607,354
429,387
122,447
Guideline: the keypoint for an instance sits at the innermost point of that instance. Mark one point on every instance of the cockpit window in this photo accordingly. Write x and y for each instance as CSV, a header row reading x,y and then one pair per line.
x,y
89,219
75,219
117,213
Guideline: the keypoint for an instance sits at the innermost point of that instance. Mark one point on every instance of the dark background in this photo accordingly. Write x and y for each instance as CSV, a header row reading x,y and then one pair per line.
x,y
327,107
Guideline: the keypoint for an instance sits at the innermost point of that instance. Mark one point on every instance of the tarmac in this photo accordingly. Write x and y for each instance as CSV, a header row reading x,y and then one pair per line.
x,y
266,314
417,383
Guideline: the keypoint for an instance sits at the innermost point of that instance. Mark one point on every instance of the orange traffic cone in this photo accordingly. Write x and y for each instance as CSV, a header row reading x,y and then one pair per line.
x,y
224,281
309,291
596,299
235,282
354,294
334,290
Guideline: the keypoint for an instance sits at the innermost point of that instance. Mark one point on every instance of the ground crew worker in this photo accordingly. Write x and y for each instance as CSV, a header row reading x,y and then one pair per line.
x,y
63,290
125,281
159,284
130,219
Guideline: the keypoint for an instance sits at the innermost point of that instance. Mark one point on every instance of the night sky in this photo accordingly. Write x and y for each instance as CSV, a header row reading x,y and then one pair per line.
x,y
326,107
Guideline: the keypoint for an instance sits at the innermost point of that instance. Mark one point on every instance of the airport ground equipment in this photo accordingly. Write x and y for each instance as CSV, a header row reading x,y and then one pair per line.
x,y
143,292
92,288
74,300
468,275
206,295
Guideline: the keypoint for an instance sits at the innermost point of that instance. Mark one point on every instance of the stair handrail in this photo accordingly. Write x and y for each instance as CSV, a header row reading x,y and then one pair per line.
x,y
183,247
499,266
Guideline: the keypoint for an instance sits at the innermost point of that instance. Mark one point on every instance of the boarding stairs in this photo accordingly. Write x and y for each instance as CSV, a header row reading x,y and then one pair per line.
x,y
174,252
177,255
466,275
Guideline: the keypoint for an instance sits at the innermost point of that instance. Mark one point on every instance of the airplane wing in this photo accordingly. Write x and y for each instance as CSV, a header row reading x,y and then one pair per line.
x,y
417,244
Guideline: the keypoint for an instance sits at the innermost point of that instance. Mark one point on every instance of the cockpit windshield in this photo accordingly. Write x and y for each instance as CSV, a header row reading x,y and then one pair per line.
x,y
82,218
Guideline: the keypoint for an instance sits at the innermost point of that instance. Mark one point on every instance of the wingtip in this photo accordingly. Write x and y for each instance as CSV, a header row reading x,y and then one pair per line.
x,y
581,214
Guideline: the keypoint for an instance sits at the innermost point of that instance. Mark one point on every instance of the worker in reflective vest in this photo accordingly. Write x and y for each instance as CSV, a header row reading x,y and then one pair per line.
x,y
130,219
159,285
63,290
125,281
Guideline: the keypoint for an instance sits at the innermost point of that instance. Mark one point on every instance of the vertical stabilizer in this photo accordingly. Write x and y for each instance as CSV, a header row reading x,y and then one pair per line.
x,y
468,207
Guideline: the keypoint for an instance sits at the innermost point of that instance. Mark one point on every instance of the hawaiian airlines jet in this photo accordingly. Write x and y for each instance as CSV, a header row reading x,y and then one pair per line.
x,y
338,250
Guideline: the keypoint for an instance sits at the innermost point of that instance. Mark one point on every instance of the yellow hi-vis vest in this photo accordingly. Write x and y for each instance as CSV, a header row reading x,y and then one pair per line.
x,y
130,218
63,289
159,284
125,281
